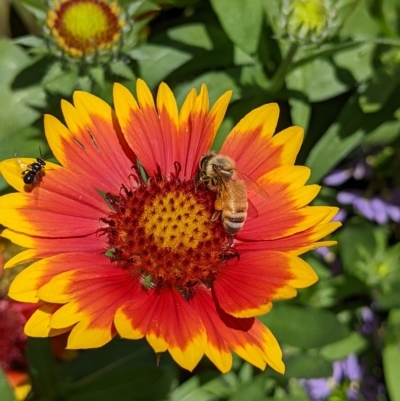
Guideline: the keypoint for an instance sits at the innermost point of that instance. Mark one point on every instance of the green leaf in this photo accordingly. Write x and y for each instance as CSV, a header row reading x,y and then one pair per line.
x,y
241,20
30,41
125,370
354,65
391,369
121,69
60,80
357,236
250,390
385,133
167,59
5,389
306,366
300,108
97,74
42,367
353,344
217,84
129,384
15,111
207,386
358,22
196,35
118,354
344,135
304,328
382,85
320,80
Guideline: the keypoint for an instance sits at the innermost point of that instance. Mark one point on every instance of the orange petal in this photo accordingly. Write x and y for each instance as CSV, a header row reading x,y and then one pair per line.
x,y
27,283
198,128
246,288
61,199
247,337
92,296
45,246
300,242
38,324
252,134
92,144
168,322
12,170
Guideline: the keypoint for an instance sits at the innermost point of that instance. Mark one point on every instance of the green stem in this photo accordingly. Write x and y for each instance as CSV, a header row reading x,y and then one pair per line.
x,y
324,53
278,79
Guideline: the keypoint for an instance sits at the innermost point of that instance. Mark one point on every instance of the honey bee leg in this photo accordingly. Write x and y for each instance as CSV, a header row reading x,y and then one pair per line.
x,y
218,209
228,243
215,215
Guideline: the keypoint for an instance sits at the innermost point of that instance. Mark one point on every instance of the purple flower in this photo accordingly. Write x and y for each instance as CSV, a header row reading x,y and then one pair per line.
x,y
337,177
343,371
318,389
351,368
358,169
374,209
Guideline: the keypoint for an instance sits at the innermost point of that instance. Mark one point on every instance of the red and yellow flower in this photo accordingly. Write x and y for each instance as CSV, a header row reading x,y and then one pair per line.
x,y
81,27
124,239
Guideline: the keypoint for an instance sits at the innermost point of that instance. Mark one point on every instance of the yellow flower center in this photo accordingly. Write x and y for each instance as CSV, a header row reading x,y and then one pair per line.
x,y
310,15
85,21
85,26
171,216
162,234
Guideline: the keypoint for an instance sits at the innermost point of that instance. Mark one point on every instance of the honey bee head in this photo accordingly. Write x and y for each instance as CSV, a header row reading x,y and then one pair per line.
x,y
221,165
216,168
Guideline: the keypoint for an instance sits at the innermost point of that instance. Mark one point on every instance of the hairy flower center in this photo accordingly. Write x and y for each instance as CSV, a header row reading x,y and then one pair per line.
x,y
162,234
171,217
76,21
85,26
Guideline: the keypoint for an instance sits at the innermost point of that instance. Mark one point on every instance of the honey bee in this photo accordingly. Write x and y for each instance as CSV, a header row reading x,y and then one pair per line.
x,y
219,173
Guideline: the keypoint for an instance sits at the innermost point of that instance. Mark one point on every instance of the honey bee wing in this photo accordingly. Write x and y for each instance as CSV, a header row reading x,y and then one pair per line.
x,y
229,187
252,210
230,190
252,185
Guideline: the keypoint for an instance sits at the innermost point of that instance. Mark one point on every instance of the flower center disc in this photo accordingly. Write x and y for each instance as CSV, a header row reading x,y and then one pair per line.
x,y
84,26
163,234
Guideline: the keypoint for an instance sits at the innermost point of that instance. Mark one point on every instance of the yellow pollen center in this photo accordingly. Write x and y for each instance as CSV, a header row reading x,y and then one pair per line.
x,y
85,20
176,221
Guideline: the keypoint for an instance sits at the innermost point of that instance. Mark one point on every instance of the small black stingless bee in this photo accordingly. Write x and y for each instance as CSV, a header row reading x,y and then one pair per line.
x,y
34,170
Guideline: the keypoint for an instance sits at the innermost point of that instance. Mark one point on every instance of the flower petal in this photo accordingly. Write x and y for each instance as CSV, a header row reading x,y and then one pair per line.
x,y
91,295
45,246
62,199
252,133
92,144
161,138
25,286
12,170
38,324
198,128
250,339
246,288
168,323
300,242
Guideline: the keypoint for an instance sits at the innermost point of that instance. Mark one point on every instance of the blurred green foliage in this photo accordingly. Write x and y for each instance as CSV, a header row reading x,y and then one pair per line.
x,y
341,83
